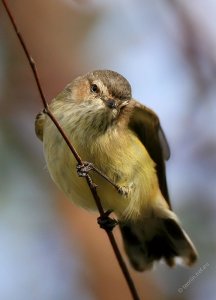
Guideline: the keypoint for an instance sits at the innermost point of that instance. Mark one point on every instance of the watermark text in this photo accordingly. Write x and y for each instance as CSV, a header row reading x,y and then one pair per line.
x,y
192,278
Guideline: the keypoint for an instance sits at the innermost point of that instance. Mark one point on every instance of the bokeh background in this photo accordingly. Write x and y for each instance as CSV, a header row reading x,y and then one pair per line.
x,y
52,250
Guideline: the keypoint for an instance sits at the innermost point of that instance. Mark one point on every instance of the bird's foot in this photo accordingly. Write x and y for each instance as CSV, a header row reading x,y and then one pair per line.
x,y
106,222
125,190
84,169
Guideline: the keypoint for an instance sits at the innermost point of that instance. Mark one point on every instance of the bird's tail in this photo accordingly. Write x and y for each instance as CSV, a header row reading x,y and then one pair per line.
x,y
157,237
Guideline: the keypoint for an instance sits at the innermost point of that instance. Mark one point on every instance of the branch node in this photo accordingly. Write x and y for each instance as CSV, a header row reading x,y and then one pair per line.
x,y
32,61
46,110
105,222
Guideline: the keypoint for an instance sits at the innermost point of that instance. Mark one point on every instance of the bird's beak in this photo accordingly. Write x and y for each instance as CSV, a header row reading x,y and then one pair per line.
x,y
115,103
111,103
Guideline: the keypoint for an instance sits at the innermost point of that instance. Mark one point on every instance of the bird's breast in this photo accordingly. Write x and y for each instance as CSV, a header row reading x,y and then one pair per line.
x,y
118,154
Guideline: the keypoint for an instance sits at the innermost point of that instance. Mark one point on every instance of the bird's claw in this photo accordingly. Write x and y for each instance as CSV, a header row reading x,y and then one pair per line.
x,y
126,190
84,169
123,190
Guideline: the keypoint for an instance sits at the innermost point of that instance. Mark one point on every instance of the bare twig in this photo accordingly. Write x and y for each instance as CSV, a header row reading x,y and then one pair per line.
x,y
90,183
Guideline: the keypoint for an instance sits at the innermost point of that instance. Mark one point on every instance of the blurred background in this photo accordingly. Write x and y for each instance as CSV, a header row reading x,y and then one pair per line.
x,y
50,249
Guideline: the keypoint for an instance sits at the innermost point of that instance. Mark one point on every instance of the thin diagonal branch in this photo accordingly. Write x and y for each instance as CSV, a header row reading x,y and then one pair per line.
x,y
90,183
30,59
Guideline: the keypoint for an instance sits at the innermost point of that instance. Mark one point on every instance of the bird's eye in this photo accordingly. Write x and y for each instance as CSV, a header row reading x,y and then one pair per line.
x,y
94,88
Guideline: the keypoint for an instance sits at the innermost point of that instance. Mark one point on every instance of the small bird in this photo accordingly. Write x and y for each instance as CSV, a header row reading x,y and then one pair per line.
x,y
125,141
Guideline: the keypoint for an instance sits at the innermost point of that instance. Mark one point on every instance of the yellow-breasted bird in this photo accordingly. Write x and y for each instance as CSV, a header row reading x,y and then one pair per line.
x,y
124,140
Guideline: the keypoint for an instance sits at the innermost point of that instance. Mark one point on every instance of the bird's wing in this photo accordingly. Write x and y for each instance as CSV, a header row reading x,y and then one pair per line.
x,y
145,123
39,124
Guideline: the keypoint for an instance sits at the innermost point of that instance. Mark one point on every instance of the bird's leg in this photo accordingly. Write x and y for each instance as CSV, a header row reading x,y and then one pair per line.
x,y
106,222
86,167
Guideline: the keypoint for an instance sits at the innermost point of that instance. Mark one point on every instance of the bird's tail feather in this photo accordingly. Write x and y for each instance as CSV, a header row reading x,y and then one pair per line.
x,y
155,238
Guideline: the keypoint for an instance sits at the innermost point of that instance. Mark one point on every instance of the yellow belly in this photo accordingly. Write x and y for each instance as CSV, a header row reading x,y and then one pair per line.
x,y
119,155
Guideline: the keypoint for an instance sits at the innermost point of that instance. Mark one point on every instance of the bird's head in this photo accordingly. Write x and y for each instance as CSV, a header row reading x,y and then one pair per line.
x,y
102,90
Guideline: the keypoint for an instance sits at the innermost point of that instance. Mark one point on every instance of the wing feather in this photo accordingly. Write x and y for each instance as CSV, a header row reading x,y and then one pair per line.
x,y
145,123
39,124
